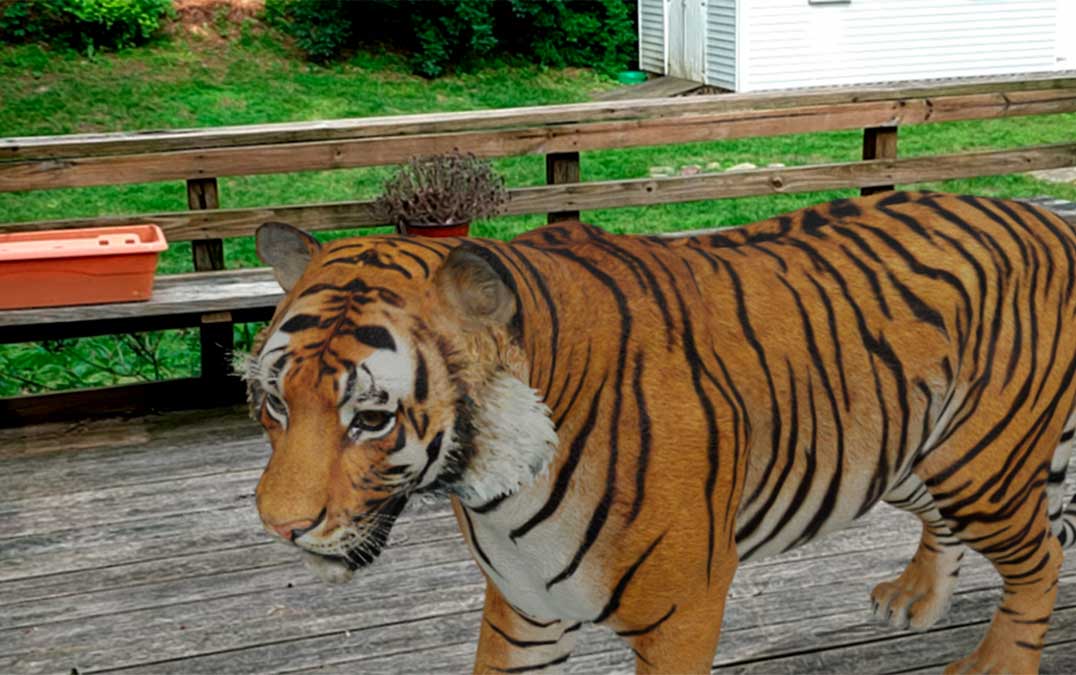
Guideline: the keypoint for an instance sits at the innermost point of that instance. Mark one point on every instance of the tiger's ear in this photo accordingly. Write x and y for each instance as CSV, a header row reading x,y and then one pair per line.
x,y
474,290
286,249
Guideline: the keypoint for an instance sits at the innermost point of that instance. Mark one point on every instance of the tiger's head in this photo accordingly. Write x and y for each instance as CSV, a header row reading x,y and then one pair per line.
x,y
392,367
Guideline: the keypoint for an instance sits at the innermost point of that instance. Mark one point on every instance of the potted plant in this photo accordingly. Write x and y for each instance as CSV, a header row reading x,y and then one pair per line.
x,y
439,195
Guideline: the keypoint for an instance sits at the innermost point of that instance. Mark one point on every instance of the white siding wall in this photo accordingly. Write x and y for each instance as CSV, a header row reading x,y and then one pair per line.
x,y
792,43
721,43
1066,34
652,36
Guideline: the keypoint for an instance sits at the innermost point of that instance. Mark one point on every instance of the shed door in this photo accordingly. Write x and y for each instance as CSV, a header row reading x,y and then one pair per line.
x,y
687,39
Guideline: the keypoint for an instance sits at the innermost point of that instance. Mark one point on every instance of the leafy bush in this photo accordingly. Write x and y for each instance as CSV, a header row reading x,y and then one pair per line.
x,y
321,28
84,24
596,33
439,34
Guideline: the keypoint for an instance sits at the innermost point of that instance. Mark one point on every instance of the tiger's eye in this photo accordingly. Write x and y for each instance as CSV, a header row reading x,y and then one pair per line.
x,y
372,420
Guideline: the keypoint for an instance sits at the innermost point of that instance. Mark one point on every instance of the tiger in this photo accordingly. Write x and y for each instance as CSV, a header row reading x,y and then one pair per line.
x,y
620,420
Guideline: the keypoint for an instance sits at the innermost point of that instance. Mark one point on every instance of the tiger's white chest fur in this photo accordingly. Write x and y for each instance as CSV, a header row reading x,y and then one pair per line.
x,y
515,442
522,568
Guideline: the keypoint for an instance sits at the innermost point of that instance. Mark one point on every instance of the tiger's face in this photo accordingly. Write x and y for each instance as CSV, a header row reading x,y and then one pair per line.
x,y
372,383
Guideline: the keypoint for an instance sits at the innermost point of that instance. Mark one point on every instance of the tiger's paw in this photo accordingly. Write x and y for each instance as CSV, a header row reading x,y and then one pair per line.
x,y
986,660
914,600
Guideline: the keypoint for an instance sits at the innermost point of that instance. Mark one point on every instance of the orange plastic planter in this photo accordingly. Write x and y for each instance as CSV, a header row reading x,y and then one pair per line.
x,y
78,267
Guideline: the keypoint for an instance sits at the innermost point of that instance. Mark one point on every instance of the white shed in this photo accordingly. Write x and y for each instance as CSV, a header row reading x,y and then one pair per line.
x,y
753,45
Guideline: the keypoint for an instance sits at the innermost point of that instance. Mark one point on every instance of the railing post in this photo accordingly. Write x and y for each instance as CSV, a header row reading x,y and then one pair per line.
x,y
879,143
561,167
215,332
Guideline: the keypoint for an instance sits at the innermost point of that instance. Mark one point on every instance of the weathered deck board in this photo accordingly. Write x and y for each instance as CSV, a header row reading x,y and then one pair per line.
x,y
135,545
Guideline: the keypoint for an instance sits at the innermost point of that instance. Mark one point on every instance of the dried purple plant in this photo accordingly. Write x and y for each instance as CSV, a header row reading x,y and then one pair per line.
x,y
442,190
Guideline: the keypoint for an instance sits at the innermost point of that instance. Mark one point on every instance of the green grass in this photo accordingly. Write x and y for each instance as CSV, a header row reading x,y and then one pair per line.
x,y
250,78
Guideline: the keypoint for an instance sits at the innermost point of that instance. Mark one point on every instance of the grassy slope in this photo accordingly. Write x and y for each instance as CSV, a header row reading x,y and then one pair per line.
x,y
249,78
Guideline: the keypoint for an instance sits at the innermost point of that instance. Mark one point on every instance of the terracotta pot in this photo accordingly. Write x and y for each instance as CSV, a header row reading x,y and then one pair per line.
x,y
78,266
437,229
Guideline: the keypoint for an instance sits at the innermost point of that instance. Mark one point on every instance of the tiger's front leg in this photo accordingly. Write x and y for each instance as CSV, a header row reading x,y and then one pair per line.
x,y
510,642
682,639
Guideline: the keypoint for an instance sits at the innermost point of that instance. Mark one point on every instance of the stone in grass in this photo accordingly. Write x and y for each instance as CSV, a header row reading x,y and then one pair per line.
x,y
690,170
712,167
745,166
1067,175
661,171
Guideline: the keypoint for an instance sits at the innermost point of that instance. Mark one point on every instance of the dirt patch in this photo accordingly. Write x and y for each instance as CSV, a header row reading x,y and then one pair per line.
x,y
200,12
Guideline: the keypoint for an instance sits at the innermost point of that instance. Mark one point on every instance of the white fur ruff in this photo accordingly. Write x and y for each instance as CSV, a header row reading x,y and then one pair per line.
x,y
515,440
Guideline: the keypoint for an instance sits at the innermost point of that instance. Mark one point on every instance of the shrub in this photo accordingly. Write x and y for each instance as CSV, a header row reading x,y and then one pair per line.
x,y
84,24
321,28
458,32
596,33
439,34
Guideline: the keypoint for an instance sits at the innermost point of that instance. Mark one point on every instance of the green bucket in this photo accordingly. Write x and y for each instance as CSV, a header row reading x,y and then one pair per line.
x,y
631,77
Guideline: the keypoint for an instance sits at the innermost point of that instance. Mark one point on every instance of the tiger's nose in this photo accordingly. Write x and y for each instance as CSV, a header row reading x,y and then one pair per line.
x,y
293,530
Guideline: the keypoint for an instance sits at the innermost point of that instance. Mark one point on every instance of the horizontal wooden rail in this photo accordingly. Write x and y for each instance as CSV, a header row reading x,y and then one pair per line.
x,y
131,399
124,143
225,223
573,137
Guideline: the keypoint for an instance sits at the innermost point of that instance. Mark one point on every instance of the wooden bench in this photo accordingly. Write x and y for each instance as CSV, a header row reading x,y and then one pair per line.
x,y
212,299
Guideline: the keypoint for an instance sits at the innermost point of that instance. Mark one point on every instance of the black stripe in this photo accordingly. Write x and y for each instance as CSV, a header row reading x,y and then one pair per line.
x,y
765,511
537,666
919,268
491,505
807,480
375,336
844,208
422,384
648,628
401,440
551,313
978,204
881,469
812,220
539,624
625,579
583,374
919,307
872,279
981,285
564,474
698,368
1066,242
433,451
835,340
760,354
643,415
516,642
441,253
655,287
301,322
369,258
419,260
481,553
1018,334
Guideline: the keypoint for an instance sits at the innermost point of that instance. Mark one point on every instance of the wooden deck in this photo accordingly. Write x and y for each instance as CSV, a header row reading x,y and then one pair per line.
x,y
135,546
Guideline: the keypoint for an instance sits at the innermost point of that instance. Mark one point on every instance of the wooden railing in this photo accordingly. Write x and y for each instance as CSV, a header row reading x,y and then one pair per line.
x,y
560,133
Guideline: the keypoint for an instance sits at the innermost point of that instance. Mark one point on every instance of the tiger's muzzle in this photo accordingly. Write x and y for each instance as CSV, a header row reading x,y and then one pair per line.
x,y
353,545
